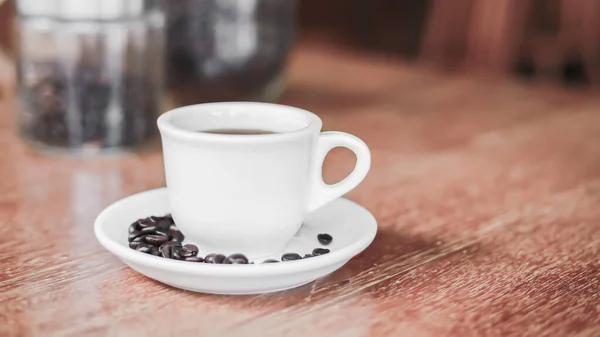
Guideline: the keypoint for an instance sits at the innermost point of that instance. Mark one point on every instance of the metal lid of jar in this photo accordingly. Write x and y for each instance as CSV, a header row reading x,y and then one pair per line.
x,y
82,9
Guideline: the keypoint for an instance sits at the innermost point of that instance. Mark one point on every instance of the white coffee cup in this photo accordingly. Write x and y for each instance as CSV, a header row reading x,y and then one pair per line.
x,y
249,193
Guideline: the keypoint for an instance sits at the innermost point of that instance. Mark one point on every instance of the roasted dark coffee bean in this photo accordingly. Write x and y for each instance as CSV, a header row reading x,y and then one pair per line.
x,y
171,243
188,251
236,259
163,233
214,258
164,224
144,248
176,235
154,251
324,239
194,259
156,240
177,253
143,223
134,227
141,238
149,230
271,261
290,257
192,248
134,235
320,251
306,256
156,218
134,244
166,250
219,258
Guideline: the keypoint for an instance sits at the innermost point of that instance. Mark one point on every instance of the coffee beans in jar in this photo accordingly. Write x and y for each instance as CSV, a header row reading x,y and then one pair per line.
x,y
91,77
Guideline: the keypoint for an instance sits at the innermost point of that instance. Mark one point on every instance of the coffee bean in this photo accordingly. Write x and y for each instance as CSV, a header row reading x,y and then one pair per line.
x,y
320,251
219,258
324,239
144,248
171,243
134,227
156,218
189,250
164,224
290,257
194,259
156,240
192,247
306,256
185,253
143,223
141,238
154,251
163,233
149,230
210,258
236,259
134,244
134,235
166,249
176,235
177,253
214,258
271,261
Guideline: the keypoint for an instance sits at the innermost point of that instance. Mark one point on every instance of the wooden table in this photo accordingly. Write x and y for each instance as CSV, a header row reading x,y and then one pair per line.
x,y
487,196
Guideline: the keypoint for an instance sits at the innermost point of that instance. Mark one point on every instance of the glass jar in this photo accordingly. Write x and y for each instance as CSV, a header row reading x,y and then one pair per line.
x,y
90,73
227,50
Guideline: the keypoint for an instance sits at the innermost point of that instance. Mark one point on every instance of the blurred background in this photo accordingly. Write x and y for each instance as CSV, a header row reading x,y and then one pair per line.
x,y
554,39
215,50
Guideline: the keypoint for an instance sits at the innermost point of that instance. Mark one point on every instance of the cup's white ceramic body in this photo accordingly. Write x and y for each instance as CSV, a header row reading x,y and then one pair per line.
x,y
249,193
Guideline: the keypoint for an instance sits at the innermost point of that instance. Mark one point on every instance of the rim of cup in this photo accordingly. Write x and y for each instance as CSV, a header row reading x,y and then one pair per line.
x,y
168,124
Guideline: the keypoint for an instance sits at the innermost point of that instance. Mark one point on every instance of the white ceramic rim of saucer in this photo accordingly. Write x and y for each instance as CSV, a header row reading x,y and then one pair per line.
x,y
258,269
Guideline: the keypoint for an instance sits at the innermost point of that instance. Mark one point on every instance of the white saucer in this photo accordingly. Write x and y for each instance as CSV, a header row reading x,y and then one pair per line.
x,y
353,228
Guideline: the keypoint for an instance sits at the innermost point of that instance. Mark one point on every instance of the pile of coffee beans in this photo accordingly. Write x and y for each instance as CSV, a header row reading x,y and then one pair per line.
x,y
159,236
86,106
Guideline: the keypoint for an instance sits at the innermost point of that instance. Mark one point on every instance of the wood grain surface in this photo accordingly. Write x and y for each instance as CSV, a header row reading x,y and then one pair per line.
x,y
487,196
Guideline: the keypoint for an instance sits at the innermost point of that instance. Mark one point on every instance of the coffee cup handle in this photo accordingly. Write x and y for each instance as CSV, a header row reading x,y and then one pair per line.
x,y
323,193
